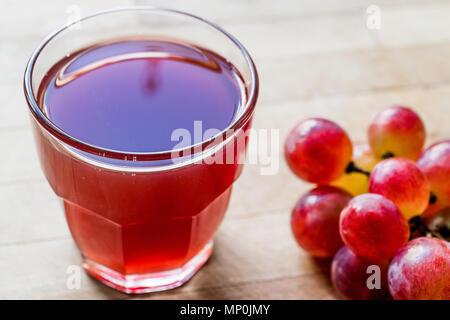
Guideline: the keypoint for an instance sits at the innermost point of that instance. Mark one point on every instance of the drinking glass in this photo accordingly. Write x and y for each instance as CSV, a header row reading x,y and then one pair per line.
x,y
142,221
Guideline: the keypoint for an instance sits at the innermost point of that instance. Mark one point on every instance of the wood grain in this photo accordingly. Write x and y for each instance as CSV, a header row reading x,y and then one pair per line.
x,y
315,58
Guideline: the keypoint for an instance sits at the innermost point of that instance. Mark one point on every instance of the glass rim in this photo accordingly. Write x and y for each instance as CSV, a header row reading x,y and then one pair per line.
x,y
192,149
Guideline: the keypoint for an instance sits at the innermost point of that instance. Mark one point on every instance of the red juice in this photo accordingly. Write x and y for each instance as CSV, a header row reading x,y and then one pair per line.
x,y
131,217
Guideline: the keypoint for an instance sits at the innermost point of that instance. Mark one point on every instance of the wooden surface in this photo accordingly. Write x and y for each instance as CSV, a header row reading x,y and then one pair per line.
x,y
315,58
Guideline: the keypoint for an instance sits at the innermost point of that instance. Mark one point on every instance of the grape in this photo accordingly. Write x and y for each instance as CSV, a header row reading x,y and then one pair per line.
x,y
357,183
350,275
318,150
373,227
397,131
421,271
435,163
401,181
315,220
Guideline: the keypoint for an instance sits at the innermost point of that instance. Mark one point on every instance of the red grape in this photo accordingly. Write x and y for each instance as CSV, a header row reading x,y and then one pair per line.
x,y
397,130
435,163
421,270
315,220
402,182
350,276
318,150
373,227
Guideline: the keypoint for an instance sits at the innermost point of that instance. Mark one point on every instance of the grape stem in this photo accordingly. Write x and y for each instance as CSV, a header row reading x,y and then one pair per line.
x,y
353,168
433,198
387,155
418,228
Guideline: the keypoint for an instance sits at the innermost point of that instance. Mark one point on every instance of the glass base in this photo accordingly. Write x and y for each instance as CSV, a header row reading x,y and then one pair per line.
x,y
149,282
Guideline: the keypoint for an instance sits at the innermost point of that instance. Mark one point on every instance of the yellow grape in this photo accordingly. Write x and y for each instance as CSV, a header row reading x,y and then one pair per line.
x,y
357,183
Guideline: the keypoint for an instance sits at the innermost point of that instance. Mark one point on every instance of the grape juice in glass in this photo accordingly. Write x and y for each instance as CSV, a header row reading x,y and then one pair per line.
x,y
141,119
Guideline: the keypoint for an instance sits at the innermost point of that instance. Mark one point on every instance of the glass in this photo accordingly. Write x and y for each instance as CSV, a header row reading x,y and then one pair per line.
x,y
142,221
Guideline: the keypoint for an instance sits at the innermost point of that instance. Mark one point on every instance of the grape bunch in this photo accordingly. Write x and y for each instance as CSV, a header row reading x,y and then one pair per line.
x,y
380,207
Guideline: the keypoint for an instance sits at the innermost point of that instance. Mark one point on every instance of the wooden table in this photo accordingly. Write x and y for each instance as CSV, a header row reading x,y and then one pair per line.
x,y
315,58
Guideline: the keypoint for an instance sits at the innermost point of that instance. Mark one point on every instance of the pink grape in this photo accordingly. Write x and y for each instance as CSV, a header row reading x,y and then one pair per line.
x,y
315,220
373,227
318,150
435,163
397,130
350,275
421,270
402,182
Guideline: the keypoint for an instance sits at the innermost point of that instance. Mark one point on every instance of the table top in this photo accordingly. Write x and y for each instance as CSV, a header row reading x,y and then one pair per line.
x,y
315,58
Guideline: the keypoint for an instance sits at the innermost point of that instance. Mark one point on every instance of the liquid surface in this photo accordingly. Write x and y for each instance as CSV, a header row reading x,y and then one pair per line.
x,y
130,96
